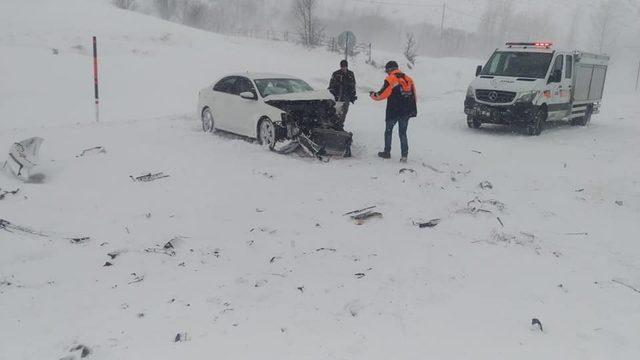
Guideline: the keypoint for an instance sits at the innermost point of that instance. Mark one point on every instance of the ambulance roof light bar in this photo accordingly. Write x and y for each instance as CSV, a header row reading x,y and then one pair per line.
x,y
540,44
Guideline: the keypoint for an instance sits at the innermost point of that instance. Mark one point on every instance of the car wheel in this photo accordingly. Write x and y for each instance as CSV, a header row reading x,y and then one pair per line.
x,y
208,123
267,133
473,123
537,125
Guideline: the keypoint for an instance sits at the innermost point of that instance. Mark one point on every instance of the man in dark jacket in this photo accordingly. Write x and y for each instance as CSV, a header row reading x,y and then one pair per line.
x,y
343,88
400,93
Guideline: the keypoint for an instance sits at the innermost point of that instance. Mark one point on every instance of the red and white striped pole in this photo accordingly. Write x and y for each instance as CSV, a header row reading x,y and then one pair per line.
x,y
95,77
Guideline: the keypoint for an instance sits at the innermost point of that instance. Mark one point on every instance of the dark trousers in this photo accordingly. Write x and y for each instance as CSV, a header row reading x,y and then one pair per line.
x,y
403,123
342,108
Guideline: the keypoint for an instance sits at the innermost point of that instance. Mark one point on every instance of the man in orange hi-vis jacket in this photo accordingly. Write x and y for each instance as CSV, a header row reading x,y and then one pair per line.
x,y
400,93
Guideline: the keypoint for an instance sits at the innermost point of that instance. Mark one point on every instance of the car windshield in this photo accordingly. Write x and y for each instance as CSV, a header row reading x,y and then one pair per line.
x,y
268,87
518,64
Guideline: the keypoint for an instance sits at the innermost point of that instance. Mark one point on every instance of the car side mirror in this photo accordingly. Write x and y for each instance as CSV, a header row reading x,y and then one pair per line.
x,y
556,76
248,95
478,70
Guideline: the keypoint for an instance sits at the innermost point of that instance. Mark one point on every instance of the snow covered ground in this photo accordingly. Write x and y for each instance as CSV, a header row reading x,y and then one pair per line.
x,y
265,265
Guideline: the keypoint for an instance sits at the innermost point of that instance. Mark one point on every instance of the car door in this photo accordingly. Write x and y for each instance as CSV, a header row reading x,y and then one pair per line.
x,y
558,103
246,112
223,94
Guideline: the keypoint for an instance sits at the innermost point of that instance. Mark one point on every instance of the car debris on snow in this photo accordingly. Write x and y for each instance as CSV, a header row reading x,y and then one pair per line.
x,y
620,282
361,218
359,210
486,185
536,324
10,227
432,168
619,202
429,224
181,337
4,193
149,177
476,206
406,170
79,240
92,151
136,278
23,157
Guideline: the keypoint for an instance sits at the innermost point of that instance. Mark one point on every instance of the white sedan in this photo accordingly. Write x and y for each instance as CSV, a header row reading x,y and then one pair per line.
x,y
258,105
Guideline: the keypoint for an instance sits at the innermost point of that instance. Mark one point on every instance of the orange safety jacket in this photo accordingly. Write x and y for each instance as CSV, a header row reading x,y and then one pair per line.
x,y
400,92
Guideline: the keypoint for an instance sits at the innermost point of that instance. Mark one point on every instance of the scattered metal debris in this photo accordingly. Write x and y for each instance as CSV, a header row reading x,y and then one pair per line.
x,y
432,168
359,211
360,219
83,349
486,185
619,202
92,151
626,285
406,170
326,249
113,254
79,240
429,224
149,177
536,322
181,337
265,174
273,259
3,194
360,275
10,227
500,221
107,264
136,278
476,206
301,288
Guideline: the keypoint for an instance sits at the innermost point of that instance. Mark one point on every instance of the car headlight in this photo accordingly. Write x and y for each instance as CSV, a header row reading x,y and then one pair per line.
x,y
528,96
470,92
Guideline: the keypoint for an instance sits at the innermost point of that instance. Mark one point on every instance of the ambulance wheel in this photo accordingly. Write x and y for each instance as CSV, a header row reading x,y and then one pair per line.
x,y
537,125
473,123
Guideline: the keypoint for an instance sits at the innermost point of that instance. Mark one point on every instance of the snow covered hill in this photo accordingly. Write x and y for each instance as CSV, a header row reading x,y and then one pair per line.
x,y
261,262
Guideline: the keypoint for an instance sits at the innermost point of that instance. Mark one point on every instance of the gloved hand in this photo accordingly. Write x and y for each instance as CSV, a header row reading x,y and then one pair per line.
x,y
372,93
353,100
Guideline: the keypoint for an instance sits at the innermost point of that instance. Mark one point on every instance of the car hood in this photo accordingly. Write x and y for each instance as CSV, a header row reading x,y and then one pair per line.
x,y
503,83
301,96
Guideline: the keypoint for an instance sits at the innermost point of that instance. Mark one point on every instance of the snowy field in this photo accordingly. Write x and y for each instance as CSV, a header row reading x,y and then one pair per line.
x,y
264,265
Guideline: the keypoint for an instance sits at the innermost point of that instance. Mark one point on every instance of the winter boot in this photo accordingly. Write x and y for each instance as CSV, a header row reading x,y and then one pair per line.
x,y
403,159
384,155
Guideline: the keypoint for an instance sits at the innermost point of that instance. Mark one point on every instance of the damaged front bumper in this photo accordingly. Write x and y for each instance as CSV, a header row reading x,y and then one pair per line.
x,y
517,113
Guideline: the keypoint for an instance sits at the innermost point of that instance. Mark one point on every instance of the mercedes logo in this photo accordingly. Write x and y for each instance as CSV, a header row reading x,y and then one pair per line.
x,y
493,96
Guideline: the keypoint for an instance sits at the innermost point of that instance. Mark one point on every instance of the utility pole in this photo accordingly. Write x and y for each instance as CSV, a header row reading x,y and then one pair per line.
x,y
638,77
346,48
444,11
95,77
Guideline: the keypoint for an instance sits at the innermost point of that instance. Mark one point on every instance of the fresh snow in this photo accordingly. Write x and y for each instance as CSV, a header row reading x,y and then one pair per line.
x,y
264,263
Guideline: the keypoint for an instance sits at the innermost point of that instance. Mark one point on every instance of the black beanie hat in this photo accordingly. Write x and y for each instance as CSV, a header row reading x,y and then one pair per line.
x,y
344,63
391,65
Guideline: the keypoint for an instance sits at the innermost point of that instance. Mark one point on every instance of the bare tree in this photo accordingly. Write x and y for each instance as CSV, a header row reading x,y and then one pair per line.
x,y
166,8
410,51
308,26
604,23
194,13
